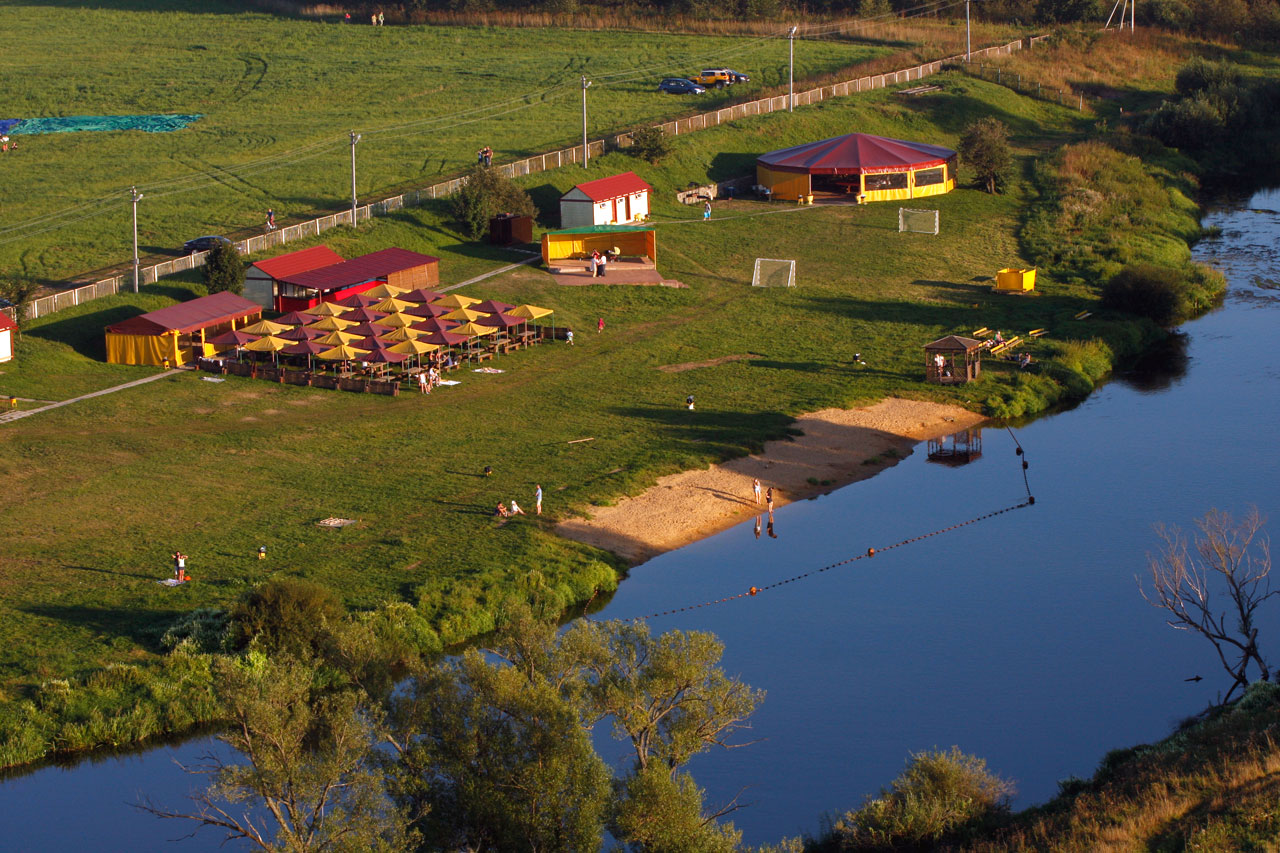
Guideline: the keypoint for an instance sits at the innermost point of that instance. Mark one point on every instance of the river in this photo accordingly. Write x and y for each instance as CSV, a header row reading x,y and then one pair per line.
x,y
1022,638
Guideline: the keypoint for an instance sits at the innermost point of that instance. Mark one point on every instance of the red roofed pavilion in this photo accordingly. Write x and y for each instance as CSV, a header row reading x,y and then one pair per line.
x,y
866,167
396,267
177,333
262,277
616,200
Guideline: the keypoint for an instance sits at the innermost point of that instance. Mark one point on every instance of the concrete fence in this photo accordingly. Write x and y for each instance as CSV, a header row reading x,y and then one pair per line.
x,y
537,163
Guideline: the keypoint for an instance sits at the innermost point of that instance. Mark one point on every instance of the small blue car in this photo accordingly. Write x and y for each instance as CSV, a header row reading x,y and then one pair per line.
x,y
680,86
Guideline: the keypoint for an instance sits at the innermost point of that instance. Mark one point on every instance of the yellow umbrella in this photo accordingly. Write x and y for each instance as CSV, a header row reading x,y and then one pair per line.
x,y
384,290
267,344
399,321
473,330
401,335
391,305
456,300
265,327
530,312
326,309
344,353
414,348
337,339
463,315
331,324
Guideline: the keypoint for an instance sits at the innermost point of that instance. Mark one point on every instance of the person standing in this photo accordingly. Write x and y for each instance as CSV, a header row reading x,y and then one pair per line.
x,y
568,336
604,260
768,500
599,325
373,19
706,211
755,490
423,383
688,401
382,21
262,552
179,566
271,219
537,499
595,264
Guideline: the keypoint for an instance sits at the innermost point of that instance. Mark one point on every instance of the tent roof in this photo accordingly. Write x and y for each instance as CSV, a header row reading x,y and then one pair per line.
x,y
188,316
855,154
953,343
6,323
600,229
359,270
303,260
613,186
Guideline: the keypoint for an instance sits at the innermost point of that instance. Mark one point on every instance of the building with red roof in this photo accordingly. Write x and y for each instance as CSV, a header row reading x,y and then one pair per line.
x,y
260,280
858,165
177,334
7,328
396,267
616,200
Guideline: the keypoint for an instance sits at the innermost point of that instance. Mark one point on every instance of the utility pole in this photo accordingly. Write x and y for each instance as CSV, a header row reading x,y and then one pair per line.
x,y
586,153
136,197
355,137
968,44
791,72
1133,15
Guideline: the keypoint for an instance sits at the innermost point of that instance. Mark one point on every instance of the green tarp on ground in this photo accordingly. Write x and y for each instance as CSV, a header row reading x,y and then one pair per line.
x,y
68,124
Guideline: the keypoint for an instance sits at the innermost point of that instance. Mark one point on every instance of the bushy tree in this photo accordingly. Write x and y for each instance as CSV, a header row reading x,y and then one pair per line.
x,y
984,148
661,813
224,269
1157,293
485,193
285,615
649,143
18,292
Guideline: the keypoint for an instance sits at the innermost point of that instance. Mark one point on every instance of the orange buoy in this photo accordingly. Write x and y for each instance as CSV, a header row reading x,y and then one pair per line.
x,y
753,590
871,552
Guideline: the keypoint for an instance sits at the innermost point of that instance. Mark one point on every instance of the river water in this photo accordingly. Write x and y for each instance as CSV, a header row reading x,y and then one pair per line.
x,y
1022,638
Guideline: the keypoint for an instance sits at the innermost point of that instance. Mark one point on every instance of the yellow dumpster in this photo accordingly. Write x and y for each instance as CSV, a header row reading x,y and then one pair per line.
x,y
1016,280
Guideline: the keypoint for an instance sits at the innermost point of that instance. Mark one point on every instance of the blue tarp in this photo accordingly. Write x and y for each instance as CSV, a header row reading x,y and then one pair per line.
x,y
67,124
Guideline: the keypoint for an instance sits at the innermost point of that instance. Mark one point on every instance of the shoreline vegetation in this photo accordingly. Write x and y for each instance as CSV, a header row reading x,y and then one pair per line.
x,y
158,676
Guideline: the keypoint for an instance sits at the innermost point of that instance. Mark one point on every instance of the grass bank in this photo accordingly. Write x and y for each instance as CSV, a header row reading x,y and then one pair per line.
x,y
99,493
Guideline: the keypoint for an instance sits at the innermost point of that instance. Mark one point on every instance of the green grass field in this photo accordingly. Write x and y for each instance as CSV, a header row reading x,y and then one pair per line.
x,y
99,493
278,97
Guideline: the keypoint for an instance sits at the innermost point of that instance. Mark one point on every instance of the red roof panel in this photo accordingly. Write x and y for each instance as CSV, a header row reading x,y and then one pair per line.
x,y
188,316
304,260
6,323
359,270
615,186
856,154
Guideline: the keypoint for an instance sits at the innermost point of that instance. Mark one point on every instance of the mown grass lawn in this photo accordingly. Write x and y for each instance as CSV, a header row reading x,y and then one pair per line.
x,y
98,494
277,98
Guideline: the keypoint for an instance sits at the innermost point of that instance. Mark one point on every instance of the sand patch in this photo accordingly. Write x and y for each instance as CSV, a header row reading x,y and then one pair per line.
x,y
271,411
247,419
711,362
682,508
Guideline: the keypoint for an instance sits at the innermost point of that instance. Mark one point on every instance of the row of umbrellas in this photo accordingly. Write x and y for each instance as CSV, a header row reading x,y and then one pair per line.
x,y
383,325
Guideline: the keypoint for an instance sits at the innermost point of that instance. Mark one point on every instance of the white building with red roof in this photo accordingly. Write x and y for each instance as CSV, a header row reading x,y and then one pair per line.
x,y
616,200
262,278
7,328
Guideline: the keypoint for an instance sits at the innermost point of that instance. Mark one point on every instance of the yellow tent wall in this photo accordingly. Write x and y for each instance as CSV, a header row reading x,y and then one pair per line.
x,y
784,185
911,190
558,247
143,349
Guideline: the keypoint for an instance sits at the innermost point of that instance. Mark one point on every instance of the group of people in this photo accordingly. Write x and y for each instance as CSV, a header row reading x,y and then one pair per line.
x,y
485,156
767,499
428,379
7,146
598,262
501,510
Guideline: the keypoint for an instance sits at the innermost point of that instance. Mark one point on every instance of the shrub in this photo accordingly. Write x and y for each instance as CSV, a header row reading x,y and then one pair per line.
x,y
649,143
485,194
205,628
1160,294
284,615
984,146
223,269
939,794
1204,75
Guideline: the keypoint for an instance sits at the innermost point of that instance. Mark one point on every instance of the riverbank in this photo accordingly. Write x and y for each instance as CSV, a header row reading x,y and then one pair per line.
x,y
833,448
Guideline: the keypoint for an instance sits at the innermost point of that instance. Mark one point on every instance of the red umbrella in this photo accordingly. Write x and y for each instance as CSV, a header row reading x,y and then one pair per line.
x,y
489,306
434,325
371,329
302,333
385,356
295,318
234,338
363,315
502,321
370,343
444,339
307,348
358,300
426,309
420,295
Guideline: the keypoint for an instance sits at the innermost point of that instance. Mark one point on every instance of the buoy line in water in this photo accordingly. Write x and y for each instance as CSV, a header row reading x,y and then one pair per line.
x,y
870,552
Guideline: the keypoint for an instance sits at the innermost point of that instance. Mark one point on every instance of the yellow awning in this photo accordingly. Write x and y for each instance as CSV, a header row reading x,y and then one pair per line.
x,y
530,312
391,305
384,291
326,309
414,348
399,321
456,300
344,353
331,324
473,330
463,315
267,344
401,335
337,339
265,327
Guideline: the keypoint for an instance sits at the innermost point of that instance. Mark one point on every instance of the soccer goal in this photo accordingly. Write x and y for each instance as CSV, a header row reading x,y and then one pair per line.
x,y
771,272
918,221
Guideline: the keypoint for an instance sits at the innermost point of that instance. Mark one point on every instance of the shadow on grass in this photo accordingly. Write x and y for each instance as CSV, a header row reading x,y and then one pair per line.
x,y
729,434
67,567
143,626
84,334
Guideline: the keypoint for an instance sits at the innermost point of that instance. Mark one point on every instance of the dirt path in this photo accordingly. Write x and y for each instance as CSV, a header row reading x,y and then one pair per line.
x,y
22,413
688,506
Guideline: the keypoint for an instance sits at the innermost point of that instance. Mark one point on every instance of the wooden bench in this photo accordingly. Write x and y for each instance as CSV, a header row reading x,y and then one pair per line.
x,y
1035,333
1000,348
1083,314
984,332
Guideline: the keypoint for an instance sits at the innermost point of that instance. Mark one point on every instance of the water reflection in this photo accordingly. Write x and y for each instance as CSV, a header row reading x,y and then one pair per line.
x,y
1161,367
959,448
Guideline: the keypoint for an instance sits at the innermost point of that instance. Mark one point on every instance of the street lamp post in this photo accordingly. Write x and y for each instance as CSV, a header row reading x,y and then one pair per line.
x,y
968,45
586,152
791,71
136,197
355,137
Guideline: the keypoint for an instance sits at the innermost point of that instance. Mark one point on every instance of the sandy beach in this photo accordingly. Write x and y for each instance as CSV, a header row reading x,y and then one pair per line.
x,y
688,506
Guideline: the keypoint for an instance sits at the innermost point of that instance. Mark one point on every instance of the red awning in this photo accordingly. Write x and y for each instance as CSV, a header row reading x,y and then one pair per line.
x,y
371,267
856,154
211,310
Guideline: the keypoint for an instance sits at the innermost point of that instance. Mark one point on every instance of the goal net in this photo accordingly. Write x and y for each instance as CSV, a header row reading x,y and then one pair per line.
x,y
771,272
918,221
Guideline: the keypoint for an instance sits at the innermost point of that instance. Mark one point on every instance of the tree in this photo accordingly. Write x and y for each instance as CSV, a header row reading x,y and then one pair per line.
x,y
223,269
18,292
485,193
649,143
984,146
310,781
288,615
663,813
1228,558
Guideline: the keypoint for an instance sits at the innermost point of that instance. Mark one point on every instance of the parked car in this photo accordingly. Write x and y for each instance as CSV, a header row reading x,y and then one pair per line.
x,y
680,86
202,244
718,77
737,76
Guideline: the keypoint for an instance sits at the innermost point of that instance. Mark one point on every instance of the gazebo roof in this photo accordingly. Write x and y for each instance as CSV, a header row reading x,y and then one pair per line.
x,y
953,343
856,154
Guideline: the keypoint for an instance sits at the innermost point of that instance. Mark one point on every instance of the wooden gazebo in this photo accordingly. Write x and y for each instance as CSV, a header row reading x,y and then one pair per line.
x,y
953,360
